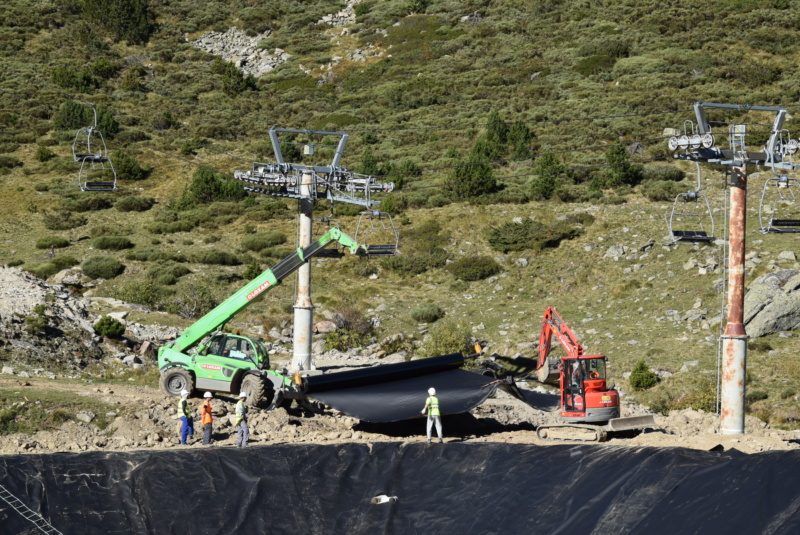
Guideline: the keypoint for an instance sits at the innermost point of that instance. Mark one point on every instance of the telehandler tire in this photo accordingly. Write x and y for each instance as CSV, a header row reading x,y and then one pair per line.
x,y
176,379
256,389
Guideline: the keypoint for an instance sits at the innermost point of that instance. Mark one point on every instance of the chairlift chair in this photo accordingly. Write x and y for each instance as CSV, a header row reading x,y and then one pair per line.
x,y
781,205
96,172
376,224
688,208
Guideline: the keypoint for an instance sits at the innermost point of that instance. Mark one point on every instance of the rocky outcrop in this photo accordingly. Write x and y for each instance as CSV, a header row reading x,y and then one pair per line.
x,y
342,18
243,51
772,303
43,325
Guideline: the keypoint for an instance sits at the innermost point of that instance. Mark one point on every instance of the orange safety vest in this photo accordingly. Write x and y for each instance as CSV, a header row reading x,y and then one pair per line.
x,y
207,419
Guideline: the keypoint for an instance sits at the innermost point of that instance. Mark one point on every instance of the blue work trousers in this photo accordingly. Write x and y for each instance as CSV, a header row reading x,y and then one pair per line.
x,y
187,428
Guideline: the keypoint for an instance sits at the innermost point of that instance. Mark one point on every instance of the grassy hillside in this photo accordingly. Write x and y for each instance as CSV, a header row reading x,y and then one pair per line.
x,y
540,94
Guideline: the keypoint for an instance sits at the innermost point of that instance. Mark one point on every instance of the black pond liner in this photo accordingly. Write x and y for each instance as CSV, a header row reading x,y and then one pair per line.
x,y
462,488
395,392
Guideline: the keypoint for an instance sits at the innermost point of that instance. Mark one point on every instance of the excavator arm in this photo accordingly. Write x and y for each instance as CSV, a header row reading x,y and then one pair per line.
x,y
219,316
553,325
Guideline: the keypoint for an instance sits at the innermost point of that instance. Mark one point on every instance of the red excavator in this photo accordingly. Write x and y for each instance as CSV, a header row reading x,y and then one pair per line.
x,y
586,401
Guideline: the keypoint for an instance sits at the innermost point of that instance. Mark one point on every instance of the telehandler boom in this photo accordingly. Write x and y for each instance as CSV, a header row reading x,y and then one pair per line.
x,y
205,358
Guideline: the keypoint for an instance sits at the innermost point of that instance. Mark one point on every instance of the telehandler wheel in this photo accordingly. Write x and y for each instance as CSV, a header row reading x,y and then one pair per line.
x,y
255,388
176,379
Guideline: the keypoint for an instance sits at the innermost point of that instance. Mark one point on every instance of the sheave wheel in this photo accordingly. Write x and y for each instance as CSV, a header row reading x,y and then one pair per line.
x,y
255,388
174,380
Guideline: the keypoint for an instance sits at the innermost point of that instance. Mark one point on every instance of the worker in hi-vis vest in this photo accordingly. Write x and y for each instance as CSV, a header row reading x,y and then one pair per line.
x,y
243,431
185,414
432,409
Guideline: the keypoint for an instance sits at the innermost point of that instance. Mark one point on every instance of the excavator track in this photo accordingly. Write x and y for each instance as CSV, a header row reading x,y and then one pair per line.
x,y
600,435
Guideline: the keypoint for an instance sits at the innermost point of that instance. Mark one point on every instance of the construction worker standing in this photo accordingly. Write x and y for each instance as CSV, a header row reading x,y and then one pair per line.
x,y
185,414
432,409
243,433
206,418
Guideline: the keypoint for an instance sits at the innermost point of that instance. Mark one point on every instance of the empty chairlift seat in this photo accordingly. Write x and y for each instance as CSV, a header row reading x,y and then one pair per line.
x,y
96,172
779,210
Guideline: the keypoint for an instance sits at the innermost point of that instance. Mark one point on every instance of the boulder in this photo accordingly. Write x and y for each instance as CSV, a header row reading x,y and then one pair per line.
x,y
772,303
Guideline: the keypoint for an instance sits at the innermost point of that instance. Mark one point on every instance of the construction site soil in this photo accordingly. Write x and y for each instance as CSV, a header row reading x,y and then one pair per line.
x,y
147,420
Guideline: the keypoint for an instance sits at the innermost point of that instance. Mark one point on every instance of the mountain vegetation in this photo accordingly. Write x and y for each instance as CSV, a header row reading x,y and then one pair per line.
x,y
523,138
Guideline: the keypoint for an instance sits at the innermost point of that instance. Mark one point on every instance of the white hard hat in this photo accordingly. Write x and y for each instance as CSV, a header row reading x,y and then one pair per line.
x,y
184,393
242,394
208,395
432,391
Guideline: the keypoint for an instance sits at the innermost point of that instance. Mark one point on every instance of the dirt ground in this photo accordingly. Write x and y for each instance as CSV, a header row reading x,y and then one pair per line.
x,y
147,420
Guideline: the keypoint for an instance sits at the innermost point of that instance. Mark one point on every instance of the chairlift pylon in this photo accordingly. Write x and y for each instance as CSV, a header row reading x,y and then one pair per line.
x,y
377,225
687,208
96,172
781,205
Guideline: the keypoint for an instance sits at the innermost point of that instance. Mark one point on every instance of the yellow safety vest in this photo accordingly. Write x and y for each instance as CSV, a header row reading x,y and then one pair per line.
x,y
183,408
433,406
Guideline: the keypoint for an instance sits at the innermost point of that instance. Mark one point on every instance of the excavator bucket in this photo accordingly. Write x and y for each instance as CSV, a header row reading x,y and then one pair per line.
x,y
630,422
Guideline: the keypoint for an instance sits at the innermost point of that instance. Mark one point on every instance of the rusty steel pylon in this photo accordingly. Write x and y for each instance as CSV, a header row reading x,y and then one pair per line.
x,y
700,145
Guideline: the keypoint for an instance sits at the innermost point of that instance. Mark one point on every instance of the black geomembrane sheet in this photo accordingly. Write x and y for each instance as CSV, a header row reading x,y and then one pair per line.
x,y
460,488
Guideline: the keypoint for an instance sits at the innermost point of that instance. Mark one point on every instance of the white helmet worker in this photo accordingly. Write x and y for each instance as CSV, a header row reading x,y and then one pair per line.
x,y
431,391
208,395
242,394
184,393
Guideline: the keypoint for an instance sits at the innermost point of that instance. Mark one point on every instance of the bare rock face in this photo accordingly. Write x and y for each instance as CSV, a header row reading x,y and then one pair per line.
x,y
243,51
772,303
43,325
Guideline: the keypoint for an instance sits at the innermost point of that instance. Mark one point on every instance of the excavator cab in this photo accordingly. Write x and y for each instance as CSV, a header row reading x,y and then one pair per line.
x,y
585,397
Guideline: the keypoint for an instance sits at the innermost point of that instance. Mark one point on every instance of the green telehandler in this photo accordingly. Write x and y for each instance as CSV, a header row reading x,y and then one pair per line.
x,y
205,358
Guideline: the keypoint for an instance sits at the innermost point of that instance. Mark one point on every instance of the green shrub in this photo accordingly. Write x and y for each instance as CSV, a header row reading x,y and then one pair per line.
x,y
364,269
216,257
43,154
656,172
55,242
125,20
8,162
445,338
109,327
193,301
642,378
530,234
15,263
415,264
112,243
63,262
143,292
474,268
86,204
35,324
134,204
595,65
63,220
44,271
167,273
661,190
128,167
756,395
427,313
262,240
102,267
